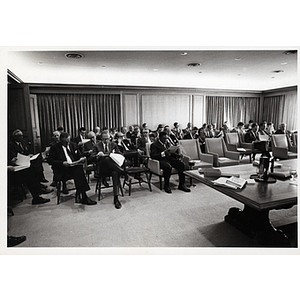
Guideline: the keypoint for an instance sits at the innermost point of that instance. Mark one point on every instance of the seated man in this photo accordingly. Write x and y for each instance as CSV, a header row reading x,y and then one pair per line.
x,y
252,136
18,145
67,162
159,150
143,140
81,136
88,147
107,167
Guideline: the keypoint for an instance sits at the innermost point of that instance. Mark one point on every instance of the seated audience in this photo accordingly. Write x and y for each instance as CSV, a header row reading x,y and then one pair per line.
x,y
251,136
209,133
249,125
177,131
239,128
135,135
97,130
129,132
159,129
217,133
202,137
143,140
67,162
187,132
106,166
159,150
18,145
270,128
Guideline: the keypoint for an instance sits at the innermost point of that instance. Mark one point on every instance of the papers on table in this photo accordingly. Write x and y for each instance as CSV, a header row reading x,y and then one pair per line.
x,y
232,182
214,172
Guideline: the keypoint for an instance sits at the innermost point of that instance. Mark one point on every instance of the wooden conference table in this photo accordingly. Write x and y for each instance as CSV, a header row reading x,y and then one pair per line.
x,y
258,200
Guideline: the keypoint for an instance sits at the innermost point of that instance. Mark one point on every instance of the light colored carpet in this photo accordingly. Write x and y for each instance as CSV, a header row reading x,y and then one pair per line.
x,y
146,219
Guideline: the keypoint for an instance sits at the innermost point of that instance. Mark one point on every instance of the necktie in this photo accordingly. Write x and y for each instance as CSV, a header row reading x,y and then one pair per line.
x,y
105,148
126,148
21,146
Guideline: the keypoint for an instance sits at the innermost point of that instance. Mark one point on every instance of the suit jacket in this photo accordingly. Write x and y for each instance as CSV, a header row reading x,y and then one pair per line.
x,y
77,139
14,149
57,156
250,137
141,144
112,147
156,149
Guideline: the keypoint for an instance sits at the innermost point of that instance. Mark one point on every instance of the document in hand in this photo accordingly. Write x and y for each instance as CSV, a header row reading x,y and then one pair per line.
x,y
117,158
23,162
85,141
174,149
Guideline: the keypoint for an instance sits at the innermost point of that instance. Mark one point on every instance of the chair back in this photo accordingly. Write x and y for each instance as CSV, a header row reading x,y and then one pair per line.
x,y
190,148
263,137
232,138
295,138
241,137
215,146
280,140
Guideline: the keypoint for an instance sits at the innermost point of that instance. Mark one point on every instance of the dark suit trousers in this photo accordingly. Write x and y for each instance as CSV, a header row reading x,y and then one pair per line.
x,y
166,164
107,167
77,173
36,166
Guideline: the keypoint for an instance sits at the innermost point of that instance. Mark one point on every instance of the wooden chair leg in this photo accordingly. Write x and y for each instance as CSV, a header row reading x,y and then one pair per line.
x,y
160,182
148,180
58,190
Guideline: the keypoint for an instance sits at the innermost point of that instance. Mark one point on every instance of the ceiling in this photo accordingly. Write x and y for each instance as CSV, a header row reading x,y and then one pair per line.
x,y
217,69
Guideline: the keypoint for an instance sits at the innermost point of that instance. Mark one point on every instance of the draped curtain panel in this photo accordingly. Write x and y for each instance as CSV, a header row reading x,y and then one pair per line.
x,y
273,108
75,110
231,109
290,111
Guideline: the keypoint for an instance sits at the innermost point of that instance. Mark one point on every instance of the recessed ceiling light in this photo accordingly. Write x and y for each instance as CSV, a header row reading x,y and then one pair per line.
x,y
237,58
74,55
40,63
277,71
103,66
194,65
183,53
155,70
200,72
239,74
273,77
284,63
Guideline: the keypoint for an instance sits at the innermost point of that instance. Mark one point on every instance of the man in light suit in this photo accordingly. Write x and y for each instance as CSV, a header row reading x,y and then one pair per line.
x,y
159,150
67,162
106,166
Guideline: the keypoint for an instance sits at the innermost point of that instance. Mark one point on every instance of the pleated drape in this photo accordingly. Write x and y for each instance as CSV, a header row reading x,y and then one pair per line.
x,y
75,110
231,109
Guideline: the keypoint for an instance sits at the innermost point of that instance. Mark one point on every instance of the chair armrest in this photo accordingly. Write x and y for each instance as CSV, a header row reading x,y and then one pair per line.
x,y
232,155
248,146
154,166
232,147
215,158
185,160
207,158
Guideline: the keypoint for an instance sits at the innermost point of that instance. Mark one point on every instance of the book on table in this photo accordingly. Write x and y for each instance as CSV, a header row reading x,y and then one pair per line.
x,y
233,182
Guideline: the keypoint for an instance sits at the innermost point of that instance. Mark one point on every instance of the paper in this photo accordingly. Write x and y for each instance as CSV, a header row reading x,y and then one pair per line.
x,y
85,141
236,181
23,162
117,158
34,156
173,149
222,181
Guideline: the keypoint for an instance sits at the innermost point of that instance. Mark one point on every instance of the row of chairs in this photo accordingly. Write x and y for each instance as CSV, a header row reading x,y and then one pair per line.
x,y
219,152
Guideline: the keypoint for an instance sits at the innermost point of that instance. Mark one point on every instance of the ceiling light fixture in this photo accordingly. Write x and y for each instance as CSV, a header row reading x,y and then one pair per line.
x,y
284,63
194,65
74,55
40,63
155,70
183,53
237,58
277,71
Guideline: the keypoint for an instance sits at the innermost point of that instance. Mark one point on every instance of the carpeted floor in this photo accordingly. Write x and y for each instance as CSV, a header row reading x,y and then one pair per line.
x,y
146,219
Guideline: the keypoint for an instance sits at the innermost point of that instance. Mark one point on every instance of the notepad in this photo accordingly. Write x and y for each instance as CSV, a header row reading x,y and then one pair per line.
x,y
117,158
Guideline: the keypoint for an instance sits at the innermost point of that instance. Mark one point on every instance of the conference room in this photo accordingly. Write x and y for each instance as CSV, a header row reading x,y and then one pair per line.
x,y
225,122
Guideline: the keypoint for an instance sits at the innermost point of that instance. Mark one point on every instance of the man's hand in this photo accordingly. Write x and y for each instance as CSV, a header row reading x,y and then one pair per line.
x,y
100,154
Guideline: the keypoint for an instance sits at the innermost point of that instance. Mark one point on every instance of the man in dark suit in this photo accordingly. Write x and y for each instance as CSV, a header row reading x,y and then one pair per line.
x,y
159,150
67,162
88,147
18,145
252,136
81,136
106,166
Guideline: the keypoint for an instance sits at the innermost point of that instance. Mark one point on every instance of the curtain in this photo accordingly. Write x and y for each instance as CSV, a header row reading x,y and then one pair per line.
x,y
73,111
231,109
290,111
273,108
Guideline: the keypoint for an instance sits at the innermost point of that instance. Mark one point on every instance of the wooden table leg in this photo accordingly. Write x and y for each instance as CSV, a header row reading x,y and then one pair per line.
x,y
256,224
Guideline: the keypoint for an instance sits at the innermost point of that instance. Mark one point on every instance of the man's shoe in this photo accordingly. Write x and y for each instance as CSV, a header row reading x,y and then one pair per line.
x,y
167,190
14,240
182,187
88,201
117,203
39,200
46,191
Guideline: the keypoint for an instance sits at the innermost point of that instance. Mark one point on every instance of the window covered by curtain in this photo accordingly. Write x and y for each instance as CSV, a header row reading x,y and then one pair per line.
x,y
231,109
290,111
75,110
